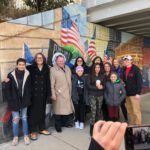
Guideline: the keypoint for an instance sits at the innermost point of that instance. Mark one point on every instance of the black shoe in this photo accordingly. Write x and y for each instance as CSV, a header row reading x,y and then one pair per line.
x,y
58,129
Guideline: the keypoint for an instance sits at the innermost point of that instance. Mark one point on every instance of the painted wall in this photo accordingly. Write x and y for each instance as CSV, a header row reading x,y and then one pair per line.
x,y
36,30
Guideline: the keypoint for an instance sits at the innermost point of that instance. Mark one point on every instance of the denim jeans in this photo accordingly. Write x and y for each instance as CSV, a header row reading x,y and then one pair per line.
x,y
15,122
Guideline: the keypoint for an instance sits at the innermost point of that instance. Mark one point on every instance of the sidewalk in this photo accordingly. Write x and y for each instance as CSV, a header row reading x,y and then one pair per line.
x,y
71,138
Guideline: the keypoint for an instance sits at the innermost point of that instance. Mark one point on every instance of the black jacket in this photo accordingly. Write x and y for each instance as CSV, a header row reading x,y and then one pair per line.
x,y
133,83
75,96
92,89
94,145
40,82
112,93
15,102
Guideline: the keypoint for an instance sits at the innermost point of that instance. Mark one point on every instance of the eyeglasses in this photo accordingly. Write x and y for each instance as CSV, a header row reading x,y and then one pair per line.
x,y
79,61
39,58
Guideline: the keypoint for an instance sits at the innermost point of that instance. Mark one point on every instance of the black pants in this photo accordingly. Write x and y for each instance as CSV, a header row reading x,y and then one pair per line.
x,y
79,112
63,120
105,111
124,110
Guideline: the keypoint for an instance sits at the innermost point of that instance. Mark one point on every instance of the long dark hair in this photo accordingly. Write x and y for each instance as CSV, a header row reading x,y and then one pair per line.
x,y
35,57
93,73
109,64
101,63
75,64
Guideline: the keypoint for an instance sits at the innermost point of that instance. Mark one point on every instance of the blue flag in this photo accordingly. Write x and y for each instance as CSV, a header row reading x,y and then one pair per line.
x,y
27,54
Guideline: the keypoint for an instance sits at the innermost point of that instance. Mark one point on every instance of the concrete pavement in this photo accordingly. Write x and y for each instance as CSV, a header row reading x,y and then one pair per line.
x,y
71,138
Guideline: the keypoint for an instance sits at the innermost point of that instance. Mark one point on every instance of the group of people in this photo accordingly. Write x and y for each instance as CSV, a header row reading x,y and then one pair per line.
x,y
103,87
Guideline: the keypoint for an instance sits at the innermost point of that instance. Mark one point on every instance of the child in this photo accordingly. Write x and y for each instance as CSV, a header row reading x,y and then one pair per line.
x,y
95,84
114,94
18,90
79,96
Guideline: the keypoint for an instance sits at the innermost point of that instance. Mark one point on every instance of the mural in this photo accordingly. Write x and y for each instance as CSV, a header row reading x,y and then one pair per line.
x,y
67,30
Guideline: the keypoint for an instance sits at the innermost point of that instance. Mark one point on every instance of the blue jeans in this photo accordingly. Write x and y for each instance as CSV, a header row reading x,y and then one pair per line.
x,y
16,117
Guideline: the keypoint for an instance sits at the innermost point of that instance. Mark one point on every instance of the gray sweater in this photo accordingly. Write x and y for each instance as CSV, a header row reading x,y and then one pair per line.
x,y
114,93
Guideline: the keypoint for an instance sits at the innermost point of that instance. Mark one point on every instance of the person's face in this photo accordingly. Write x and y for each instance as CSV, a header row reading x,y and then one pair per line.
x,y
116,63
60,62
110,58
127,62
105,59
80,73
97,61
39,60
79,62
97,69
113,78
21,66
107,68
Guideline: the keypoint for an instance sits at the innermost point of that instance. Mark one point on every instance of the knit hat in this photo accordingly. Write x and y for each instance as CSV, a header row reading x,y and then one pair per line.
x,y
79,68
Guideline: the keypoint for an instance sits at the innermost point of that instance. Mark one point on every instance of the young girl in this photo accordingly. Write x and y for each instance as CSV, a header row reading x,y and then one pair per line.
x,y
114,94
79,96
95,91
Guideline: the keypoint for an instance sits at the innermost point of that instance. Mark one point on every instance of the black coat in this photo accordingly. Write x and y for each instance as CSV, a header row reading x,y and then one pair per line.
x,y
41,93
15,103
40,82
133,83
75,96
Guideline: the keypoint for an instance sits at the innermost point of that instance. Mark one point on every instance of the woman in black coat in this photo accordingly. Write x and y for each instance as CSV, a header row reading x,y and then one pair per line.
x,y
40,83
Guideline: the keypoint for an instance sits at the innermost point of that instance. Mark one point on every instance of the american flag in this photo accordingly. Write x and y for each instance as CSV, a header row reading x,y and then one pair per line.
x,y
70,33
92,48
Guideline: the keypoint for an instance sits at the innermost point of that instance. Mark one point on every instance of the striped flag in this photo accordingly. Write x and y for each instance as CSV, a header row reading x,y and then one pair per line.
x,y
70,33
92,48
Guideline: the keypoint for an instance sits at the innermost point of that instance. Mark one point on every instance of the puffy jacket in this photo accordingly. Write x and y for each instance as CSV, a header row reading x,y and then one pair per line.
x,y
114,93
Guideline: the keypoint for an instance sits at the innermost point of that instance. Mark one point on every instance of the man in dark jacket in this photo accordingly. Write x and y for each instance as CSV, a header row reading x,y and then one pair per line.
x,y
18,95
133,84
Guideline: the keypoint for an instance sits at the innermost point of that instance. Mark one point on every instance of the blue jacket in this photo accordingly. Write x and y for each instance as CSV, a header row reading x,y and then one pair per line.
x,y
118,71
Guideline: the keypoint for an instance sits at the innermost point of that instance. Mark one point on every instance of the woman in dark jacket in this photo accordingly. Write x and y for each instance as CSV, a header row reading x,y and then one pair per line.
x,y
107,73
95,83
40,83
80,62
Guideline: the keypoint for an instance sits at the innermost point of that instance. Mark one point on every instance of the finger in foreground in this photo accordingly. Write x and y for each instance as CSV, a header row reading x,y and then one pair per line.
x,y
97,126
117,140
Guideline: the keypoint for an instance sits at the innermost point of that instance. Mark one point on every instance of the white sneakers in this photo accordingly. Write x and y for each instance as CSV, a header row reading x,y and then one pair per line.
x,y
79,125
